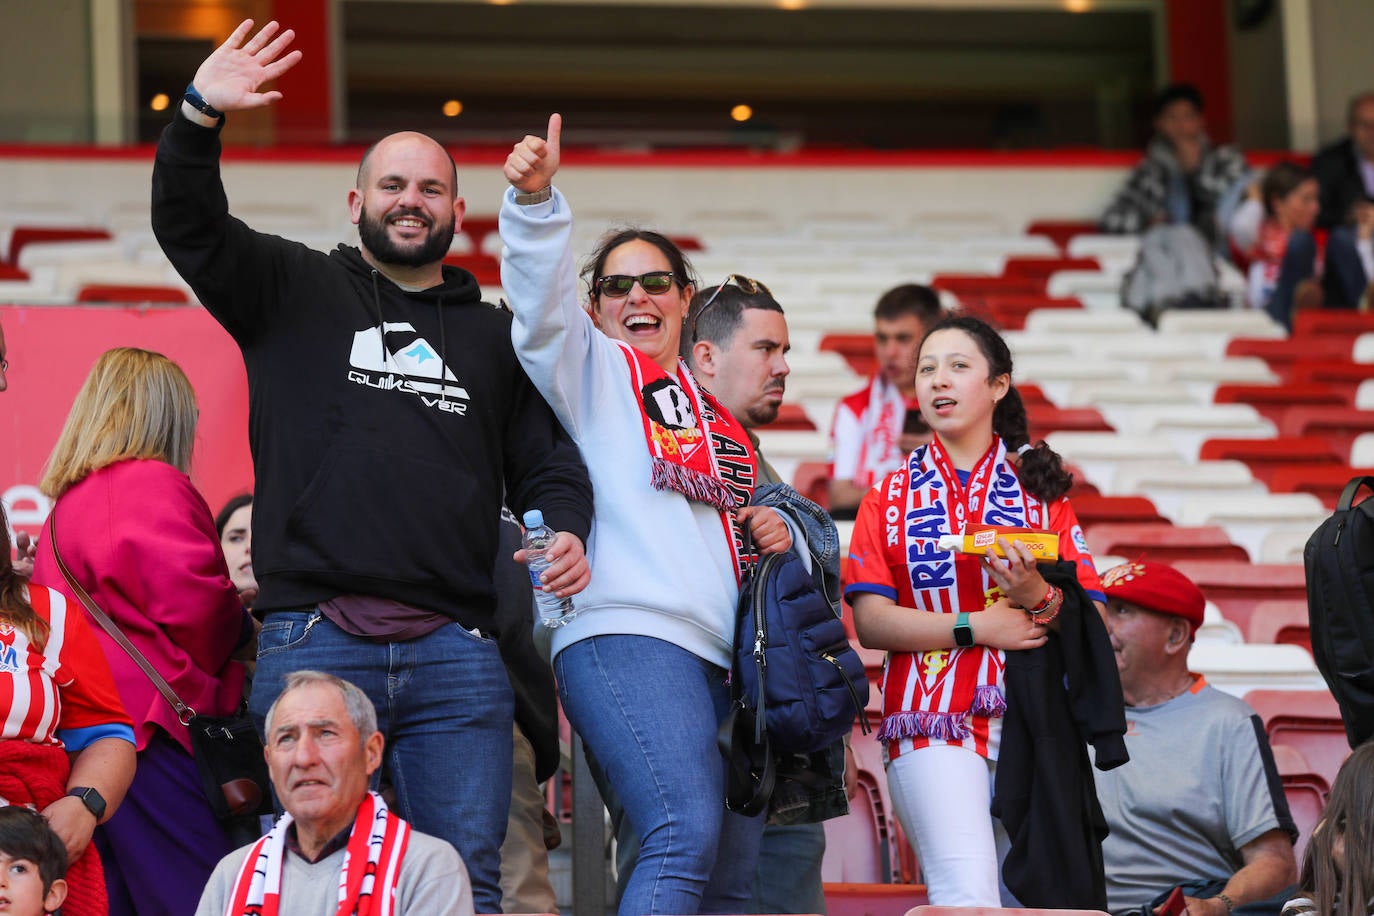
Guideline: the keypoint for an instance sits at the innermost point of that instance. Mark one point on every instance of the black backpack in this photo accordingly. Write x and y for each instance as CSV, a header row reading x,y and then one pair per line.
x,y
1339,558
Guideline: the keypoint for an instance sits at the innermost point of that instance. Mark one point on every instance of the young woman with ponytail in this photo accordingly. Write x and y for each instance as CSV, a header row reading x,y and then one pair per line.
x,y
945,618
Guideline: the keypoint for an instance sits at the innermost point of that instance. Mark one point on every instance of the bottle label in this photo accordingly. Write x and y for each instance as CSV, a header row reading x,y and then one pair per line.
x,y
534,578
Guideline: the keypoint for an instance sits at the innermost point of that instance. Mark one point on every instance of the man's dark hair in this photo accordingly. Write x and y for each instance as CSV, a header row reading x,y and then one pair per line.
x,y
720,322
25,834
1176,92
910,299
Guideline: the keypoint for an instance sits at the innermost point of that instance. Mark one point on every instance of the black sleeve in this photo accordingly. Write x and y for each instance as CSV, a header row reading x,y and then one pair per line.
x,y
1329,168
230,267
543,467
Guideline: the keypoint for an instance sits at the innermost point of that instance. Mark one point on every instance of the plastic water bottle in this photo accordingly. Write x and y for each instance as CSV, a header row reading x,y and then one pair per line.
x,y
553,611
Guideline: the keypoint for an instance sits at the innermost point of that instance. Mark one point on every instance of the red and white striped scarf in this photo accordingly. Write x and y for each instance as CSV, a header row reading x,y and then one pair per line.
x,y
932,694
880,427
367,879
698,449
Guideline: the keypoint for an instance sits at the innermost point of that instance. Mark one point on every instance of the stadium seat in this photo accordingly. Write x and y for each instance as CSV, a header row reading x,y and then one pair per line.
x,y
793,417
1282,354
1045,420
1305,790
1280,622
97,292
1323,481
1162,542
23,236
812,480
1101,455
1188,426
873,899
857,350
1042,267
971,288
1237,588
1248,519
1308,720
1337,425
1285,542
1240,668
1061,231
11,272
486,268
1079,321
1094,510
1273,401
1263,456
1337,322
1170,486
1343,375
1231,322
1010,312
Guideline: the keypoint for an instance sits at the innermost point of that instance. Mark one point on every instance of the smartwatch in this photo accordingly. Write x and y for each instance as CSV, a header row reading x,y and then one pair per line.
x,y
93,800
963,633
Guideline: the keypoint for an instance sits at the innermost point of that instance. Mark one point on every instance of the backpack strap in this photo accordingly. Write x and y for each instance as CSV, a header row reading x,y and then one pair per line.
x,y
1348,494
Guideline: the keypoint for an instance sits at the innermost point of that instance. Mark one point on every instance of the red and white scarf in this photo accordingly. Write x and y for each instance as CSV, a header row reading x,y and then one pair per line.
x,y
367,879
698,449
932,694
880,426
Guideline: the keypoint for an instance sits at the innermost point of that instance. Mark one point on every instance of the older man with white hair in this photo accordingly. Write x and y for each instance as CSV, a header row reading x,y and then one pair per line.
x,y
337,844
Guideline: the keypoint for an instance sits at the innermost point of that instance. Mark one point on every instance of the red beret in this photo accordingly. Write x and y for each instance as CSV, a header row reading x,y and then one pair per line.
x,y
1155,587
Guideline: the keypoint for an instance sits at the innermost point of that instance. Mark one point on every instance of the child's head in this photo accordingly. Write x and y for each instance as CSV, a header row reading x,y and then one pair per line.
x,y
32,863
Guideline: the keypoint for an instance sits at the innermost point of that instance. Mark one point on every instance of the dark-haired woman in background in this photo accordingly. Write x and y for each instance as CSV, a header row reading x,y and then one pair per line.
x,y
1338,867
1273,232
947,618
234,525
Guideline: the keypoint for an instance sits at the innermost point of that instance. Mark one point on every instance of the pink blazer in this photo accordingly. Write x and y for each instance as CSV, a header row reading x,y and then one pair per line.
x,y
140,538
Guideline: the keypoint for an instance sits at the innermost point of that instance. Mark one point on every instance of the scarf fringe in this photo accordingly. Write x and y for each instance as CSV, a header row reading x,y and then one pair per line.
x,y
989,701
693,484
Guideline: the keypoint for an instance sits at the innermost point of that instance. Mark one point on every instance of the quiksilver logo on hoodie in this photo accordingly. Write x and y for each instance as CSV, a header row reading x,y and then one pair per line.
x,y
404,361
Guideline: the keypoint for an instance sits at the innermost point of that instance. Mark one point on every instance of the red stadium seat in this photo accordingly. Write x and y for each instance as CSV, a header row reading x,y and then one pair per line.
x,y
976,286
1237,588
873,899
10,272
792,416
37,235
108,292
1339,426
1061,231
478,228
1332,322
1047,419
857,350
1262,456
1271,401
1305,790
1308,720
484,267
1282,354
812,480
1282,622
1341,374
1009,312
1163,542
1041,268
1323,481
1032,395
1092,510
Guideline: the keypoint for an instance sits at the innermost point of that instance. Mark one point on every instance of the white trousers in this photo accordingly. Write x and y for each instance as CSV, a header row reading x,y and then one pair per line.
x,y
942,795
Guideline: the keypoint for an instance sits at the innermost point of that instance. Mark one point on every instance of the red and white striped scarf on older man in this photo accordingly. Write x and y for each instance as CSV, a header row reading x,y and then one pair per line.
x,y
367,880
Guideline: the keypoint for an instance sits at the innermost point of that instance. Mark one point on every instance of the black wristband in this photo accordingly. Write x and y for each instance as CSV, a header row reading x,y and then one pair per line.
x,y
197,101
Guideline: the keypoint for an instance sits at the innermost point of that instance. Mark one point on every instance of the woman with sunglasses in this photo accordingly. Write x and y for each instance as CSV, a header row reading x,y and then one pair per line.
x,y
948,619
641,669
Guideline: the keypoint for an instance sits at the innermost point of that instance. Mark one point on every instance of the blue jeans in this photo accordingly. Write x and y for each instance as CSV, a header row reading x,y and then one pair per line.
x,y
445,706
788,879
648,712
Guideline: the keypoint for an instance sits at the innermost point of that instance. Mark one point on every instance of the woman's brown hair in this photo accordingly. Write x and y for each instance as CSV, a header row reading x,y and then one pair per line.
x,y
15,608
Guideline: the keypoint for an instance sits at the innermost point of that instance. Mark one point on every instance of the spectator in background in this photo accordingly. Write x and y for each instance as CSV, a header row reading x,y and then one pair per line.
x,y
1345,171
66,744
737,346
389,392
1273,231
1199,805
1183,177
234,523
140,539
1338,867
23,546
876,427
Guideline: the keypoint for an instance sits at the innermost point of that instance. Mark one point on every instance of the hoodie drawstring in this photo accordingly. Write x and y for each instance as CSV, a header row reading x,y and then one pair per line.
x,y
381,319
443,350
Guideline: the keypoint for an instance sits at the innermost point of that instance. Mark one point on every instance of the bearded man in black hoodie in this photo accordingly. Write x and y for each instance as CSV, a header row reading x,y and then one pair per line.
x,y
388,417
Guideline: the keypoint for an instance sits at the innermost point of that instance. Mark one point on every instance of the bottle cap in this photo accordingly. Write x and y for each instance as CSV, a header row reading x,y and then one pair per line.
x,y
534,519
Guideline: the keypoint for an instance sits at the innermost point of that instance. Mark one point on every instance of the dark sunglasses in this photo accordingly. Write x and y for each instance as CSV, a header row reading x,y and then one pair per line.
x,y
616,286
746,285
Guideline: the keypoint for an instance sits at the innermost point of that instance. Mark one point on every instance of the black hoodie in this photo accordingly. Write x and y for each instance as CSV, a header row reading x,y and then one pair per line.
x,y
380,459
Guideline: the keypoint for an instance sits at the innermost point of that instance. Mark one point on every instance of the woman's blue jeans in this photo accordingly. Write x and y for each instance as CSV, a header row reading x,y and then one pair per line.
x,y
648,712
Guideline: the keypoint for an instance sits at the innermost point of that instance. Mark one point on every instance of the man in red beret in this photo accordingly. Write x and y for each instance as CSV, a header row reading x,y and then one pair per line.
x,y
1200,804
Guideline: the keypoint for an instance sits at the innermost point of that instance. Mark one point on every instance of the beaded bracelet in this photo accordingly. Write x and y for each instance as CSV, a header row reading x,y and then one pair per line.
x,y
1048,609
